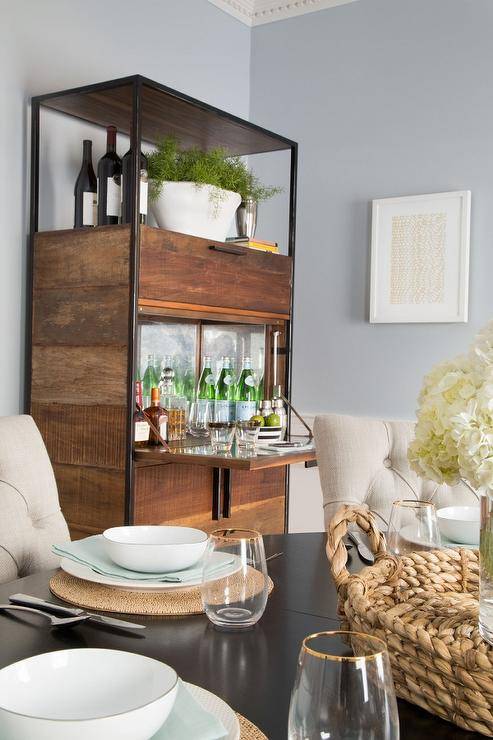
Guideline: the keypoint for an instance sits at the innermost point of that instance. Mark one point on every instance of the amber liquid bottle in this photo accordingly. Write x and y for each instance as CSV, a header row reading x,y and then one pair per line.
x,y
158,417
141,425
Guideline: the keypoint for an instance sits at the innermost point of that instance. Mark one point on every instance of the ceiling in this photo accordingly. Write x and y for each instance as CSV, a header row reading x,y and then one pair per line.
x,y
257,12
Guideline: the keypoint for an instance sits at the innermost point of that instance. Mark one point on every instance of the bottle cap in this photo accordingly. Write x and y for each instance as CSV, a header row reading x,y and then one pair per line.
x,y
154,394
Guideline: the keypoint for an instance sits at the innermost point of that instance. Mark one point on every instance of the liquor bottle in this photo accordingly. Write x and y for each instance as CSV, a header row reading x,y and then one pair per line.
x,y
224,408
141,425
246,394
149,381
174,404
158,417
126,188
85,190
109,180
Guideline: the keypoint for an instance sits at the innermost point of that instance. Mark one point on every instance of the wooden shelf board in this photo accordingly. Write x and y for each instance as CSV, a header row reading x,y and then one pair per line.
x,y
154,307
164,112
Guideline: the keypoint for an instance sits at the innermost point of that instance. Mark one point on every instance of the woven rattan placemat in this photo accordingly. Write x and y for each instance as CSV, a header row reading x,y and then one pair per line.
x,y
108,599
249,731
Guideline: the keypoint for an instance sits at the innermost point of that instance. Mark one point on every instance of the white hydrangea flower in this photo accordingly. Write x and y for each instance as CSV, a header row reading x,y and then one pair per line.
x,y
454,429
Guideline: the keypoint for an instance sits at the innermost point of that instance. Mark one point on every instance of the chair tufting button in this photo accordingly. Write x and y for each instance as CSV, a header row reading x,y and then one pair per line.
x,y
387,463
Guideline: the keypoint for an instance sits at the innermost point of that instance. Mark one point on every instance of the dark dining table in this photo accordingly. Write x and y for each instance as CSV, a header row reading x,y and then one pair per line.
x,y
252,671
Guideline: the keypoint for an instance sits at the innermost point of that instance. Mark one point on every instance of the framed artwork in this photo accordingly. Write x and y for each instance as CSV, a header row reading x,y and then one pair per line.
x,y
420,258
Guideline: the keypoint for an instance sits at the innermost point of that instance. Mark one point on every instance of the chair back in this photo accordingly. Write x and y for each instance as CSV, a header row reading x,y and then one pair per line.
x,y
30,517
364,461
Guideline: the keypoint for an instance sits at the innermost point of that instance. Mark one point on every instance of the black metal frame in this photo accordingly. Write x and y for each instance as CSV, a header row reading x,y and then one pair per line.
x,y
137,82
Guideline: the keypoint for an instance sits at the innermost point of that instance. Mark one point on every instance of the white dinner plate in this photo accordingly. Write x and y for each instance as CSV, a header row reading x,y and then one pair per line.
x,y
214,705
79,570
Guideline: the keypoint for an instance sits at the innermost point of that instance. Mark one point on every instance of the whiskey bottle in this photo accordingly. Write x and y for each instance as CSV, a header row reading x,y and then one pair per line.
x,y
158,417
141,425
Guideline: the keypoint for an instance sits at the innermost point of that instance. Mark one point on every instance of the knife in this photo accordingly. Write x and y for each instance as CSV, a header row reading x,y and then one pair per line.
x,y
26,600
363,550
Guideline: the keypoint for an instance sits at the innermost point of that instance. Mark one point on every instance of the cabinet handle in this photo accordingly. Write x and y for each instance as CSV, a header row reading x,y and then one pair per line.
x,y
229,249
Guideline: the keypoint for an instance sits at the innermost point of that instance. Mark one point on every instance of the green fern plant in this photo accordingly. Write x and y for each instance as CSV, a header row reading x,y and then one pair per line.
x,y
172,163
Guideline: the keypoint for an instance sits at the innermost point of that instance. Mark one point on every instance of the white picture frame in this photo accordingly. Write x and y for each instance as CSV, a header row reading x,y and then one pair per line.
x,y
420,258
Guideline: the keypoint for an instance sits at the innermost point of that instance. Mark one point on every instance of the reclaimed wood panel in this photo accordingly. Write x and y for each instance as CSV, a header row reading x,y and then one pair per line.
x,y
183,495
82,257
81,316
169,492
91,499
83,435
267,517
248,487
178,267
79,375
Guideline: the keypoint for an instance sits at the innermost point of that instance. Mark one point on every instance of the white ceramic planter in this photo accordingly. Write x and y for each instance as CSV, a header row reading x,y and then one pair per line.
x,y
199,210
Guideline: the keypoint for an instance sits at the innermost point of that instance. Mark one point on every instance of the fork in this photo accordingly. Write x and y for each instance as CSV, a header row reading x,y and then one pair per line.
x,y
54,621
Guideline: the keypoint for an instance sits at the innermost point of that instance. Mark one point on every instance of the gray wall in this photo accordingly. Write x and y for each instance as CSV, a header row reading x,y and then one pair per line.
x,y
54,44
386,98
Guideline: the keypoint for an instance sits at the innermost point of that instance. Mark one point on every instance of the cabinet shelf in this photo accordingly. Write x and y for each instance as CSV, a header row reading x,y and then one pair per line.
x,y
186,455
95,293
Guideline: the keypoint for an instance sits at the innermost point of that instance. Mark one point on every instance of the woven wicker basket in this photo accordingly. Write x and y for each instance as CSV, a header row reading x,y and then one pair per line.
x,y
425,606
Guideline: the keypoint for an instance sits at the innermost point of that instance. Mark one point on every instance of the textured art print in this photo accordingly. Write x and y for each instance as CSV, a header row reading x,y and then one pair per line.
x,y
417,259
420,258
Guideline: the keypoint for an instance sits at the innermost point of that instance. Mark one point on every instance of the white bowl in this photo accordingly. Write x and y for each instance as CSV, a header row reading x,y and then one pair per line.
x,y
460,524
85,694
155,549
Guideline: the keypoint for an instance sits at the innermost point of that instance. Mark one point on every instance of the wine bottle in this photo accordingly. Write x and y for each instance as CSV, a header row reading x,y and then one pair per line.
x,y
127,188
109,177
141,425
85,190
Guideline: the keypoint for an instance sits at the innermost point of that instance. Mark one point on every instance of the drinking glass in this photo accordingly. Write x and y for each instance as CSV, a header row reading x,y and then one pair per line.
x,y
343,689
235,601
201,413
222,435
413,525
247,434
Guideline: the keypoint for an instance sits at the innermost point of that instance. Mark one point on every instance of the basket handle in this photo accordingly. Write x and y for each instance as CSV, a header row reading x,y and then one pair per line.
x,y
336,549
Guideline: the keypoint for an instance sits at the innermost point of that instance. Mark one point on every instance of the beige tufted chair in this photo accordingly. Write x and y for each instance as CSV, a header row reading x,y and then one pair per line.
x,y
364,461
30,516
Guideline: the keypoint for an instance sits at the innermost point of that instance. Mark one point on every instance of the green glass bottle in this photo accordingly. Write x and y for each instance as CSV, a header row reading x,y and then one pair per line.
x,y
205,388
224,408
246,394
149,381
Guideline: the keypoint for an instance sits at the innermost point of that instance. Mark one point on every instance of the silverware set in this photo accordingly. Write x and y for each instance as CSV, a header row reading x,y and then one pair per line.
x,y
61,616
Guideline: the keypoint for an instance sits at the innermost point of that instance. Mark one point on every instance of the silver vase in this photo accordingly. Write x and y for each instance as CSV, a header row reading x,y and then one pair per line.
x,y
246,218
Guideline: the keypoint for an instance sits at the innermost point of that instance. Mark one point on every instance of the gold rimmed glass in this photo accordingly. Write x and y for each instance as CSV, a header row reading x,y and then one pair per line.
x,y
237,600
343,689
413,526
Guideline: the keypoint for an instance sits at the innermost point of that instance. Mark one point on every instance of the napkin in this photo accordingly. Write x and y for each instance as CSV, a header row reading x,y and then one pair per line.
x,y
91,552
188,720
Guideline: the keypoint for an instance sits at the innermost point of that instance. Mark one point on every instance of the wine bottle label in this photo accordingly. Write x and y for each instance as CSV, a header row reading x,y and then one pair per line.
x,y
141,431
245,410
112,197
224,410
163,427
89,209
143,197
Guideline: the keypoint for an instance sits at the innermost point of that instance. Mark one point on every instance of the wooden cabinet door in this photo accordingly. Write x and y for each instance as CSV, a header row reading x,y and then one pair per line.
x,y
185,269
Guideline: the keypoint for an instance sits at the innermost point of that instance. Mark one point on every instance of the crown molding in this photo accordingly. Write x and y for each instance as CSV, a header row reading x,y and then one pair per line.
x,y
258,12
